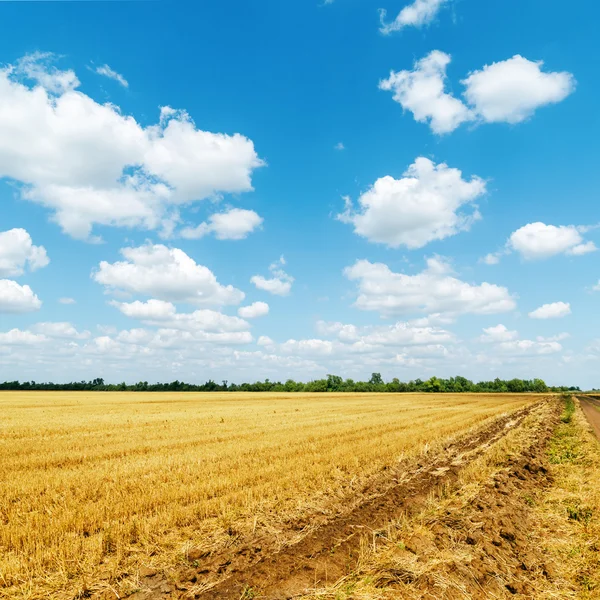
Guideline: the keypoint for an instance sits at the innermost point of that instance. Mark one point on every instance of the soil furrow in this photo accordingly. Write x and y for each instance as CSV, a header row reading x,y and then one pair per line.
x,y
328,552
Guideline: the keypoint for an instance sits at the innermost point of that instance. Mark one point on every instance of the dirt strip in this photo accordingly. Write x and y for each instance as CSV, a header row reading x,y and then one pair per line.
x,y
591,408
327,553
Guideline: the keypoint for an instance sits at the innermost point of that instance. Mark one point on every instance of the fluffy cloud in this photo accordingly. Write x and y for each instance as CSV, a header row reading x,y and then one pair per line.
x,y
434,290
491,259
417,14
280,284
16,337
90,164
15,298
165,315
499,333
402,333
106,71
421,91
167,274
234,224
152,310
17,250
507,343
555,310
67,301
528,348
60,330
309,347
38,67
426,204
254,310
538,240
508,91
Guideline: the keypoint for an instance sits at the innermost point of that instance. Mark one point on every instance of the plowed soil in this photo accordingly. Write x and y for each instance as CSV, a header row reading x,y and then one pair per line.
x,y
318,553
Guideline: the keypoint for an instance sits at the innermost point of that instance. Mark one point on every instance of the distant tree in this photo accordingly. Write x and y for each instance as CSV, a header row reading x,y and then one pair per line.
x,y
376,379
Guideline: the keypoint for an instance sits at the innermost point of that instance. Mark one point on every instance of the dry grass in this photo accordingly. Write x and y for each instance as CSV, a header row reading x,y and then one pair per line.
x,y
569,516
96,485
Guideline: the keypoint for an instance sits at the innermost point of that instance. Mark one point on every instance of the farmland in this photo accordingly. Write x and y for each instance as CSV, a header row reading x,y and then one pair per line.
x,y
98,489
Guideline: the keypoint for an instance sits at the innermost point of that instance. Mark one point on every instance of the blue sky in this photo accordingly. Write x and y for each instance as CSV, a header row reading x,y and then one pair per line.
x,y
428,176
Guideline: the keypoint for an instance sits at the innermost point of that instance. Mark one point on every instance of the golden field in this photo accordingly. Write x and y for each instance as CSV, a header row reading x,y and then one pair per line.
x,y
96,485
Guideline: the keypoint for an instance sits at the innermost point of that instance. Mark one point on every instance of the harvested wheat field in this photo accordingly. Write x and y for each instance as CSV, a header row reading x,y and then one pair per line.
x,y
148,496
98,487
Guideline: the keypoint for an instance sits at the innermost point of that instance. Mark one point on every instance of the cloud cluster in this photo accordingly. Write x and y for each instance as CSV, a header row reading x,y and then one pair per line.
x,y
167,274
555,310
233,224
434,290
90,164
428,203
417,14
17,251
537,241
280,284
254,310
507,343
508,91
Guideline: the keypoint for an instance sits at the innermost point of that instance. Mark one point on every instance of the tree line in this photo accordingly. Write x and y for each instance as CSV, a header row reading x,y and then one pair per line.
x,y
332,383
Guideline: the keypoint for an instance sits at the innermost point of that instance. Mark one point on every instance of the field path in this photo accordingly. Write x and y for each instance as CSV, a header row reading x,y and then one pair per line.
x,y
329,551
591,408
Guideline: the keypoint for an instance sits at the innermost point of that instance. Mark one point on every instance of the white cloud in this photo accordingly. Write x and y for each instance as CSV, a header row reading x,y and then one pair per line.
x,y
60,330
528,348
426,204
165,315
491,259
151,310
17,250
15,298
106,71
507,91
538,240
39,67
234,224
421,91
90,164
555,310
254,310
559,337
280,284
434,290
265,340
417,14
596,288
310,347
507,343
402,333
498,333
67,301
16,337
167,274
340,146
510,91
